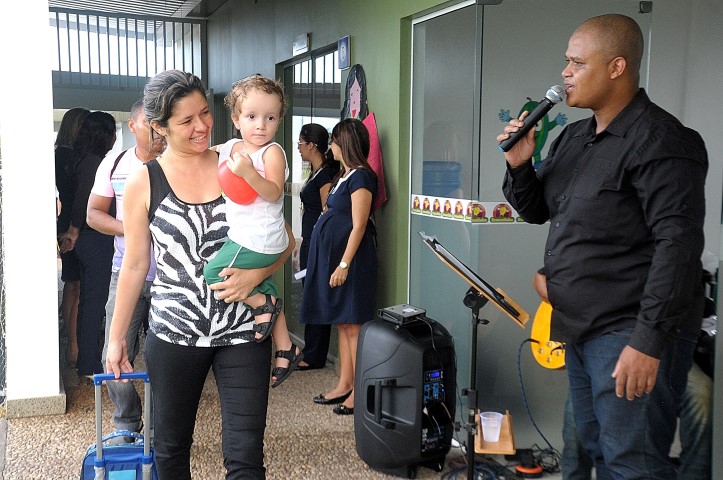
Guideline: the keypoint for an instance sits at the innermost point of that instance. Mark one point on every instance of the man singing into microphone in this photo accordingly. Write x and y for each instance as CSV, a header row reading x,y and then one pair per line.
x,y
624,193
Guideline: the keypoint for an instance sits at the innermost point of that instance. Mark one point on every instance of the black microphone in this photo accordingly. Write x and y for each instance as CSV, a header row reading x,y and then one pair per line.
x,y
554,95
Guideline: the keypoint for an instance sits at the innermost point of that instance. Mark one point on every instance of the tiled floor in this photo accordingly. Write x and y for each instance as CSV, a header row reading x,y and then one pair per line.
x,y
303,440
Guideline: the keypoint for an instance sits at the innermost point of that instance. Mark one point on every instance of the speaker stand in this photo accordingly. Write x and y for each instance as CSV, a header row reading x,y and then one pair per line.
x,y
473,300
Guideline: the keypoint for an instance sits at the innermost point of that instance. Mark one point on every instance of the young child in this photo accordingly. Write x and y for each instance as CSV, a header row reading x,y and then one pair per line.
x,y
257,233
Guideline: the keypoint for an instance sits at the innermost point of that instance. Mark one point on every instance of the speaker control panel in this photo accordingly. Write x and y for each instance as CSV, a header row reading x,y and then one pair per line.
x,y
433,386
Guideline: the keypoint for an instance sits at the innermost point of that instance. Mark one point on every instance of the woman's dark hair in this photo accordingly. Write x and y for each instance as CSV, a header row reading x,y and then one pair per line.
x,y
319,136
352,137
163,91
96,134
69,126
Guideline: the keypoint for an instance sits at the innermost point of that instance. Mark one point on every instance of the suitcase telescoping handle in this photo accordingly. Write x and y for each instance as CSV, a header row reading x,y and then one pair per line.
x,y
98,380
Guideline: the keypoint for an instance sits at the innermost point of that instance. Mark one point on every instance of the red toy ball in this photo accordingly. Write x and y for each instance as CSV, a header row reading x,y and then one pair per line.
x,y
235,187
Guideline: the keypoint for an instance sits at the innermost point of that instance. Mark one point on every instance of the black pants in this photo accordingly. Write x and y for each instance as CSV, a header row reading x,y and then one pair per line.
x,y
177,374
95,257
316,337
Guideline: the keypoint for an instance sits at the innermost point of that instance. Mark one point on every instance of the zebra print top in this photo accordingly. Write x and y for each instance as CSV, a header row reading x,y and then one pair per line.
x,y
184,310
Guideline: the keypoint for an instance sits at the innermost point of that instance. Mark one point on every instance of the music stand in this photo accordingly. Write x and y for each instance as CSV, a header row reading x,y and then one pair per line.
x,y
476,297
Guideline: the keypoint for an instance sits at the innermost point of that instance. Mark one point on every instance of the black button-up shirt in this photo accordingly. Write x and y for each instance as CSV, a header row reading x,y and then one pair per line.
x,y
626,209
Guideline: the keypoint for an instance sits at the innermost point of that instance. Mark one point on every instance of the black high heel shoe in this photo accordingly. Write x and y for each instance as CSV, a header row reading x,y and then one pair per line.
x,y
343,410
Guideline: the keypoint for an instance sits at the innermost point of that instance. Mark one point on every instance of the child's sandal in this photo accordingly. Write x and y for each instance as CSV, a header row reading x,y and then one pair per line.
x,y
282,373
264,328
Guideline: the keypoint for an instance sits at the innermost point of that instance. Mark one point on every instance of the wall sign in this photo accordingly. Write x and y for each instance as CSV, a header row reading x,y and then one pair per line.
x,y
343,49
300,45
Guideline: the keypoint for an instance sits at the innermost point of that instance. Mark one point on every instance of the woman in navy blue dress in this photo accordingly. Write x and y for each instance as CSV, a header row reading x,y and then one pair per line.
x,y
341,271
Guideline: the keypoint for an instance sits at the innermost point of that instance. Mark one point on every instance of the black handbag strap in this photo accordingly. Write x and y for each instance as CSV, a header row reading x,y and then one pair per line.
x,y
112,208
115,163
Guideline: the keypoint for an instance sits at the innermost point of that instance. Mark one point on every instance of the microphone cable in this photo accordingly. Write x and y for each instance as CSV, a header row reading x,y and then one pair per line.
x,y
549,458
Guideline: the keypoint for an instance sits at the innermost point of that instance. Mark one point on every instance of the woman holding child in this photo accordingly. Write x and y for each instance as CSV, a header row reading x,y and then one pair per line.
x,y
175,205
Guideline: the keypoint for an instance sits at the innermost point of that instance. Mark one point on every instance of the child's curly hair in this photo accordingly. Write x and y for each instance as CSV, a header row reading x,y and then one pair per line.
x,y
241,88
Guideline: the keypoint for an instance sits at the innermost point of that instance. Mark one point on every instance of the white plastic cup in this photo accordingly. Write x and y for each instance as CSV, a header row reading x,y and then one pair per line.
x,y
491,425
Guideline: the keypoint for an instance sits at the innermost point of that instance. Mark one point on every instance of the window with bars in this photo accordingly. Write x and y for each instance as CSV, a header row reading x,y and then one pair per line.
x,y
316,97
94,48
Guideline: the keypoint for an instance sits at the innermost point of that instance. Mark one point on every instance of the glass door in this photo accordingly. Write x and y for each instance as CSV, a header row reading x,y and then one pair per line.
x,y
467,80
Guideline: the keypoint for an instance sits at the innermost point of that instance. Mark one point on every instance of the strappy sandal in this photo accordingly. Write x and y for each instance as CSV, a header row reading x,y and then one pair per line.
x,y
282,373
265,328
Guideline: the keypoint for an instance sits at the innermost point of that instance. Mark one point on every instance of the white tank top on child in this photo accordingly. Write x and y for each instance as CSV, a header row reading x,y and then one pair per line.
x,y
258,226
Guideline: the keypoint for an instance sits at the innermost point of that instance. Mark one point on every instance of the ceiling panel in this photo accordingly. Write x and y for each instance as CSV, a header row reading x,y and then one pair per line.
x,y
154,8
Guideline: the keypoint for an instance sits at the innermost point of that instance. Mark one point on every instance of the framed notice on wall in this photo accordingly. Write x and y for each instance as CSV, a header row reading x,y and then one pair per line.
x,y
300,45
344,52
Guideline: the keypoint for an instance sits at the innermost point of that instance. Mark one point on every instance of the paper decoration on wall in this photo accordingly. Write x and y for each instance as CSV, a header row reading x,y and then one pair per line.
x,y
464,210
355,103
541,130
375,160
355,106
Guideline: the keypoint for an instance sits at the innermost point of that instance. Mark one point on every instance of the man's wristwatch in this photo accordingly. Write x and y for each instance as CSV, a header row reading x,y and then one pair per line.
x,y
343,265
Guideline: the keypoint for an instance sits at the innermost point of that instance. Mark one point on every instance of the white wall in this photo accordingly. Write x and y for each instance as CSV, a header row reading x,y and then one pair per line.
x,y
686,78
30,248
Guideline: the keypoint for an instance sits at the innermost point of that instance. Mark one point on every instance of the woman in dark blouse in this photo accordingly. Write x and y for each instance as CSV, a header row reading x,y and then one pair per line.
x,y
66,161
314,148
94,250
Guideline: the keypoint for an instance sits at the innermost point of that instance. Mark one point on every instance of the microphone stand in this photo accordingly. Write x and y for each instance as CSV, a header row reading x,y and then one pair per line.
x,y
473,300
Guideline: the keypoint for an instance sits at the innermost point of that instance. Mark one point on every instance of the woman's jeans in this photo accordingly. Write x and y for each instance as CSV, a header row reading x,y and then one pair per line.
x,y
627,440
128,410
696,427
178,373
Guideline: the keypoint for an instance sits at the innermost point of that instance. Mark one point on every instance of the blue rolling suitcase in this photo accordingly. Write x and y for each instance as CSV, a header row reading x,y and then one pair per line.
x,y
130,461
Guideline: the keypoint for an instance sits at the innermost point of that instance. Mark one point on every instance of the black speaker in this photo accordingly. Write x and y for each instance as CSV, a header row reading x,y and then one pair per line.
x,y
404,392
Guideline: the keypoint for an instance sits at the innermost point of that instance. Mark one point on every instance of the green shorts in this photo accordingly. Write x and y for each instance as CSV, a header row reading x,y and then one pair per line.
x,y
233,255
